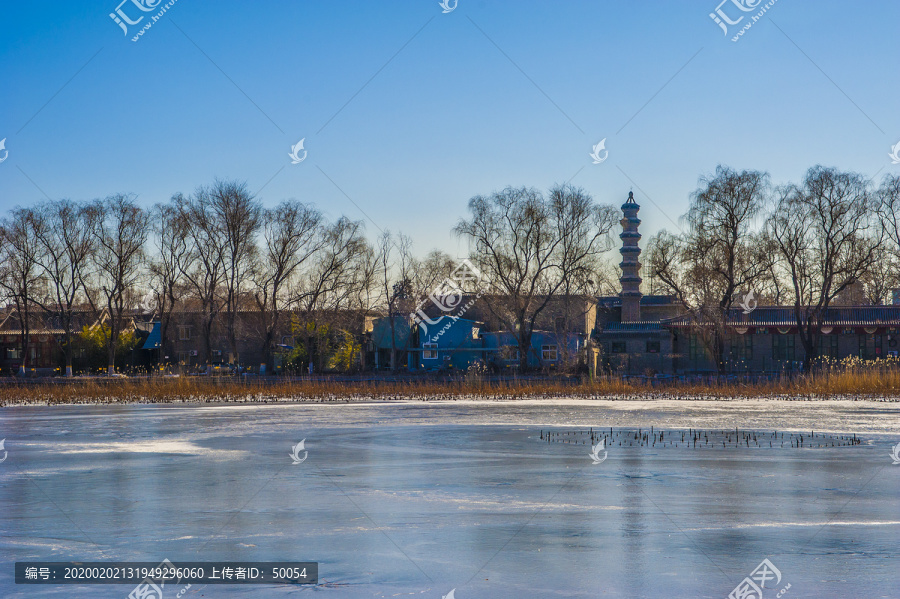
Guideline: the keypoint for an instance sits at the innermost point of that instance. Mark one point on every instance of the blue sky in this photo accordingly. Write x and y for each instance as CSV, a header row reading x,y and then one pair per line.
x,y
408,112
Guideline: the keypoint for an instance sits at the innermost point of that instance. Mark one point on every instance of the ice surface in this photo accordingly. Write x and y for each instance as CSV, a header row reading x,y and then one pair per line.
x,y
416,499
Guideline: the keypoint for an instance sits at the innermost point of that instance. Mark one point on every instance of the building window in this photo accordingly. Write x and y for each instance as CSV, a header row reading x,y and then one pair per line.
x,y
828,346
869,347
184,333
548,353
510,353
783,347
429,351
695,348
653,347
184,357
742,348
13,353
618,347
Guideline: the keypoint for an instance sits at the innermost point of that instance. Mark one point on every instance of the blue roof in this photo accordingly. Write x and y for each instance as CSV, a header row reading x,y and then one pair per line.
x,y
154,339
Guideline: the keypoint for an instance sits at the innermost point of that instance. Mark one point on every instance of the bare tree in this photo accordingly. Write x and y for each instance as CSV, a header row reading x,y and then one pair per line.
x,y
427,273
66,244
529,247
204,268
774,288
395,267
827,239
170,232
238,216
291,234
885,272
720,255
888,210
582,265
222,222
120,229
881,277
20,274
338,275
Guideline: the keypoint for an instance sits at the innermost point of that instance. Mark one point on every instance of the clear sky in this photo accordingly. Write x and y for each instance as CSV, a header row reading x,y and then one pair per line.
x,y
407,112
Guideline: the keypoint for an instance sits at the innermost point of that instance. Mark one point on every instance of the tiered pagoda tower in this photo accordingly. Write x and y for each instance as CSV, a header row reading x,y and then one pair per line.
x,y
630,279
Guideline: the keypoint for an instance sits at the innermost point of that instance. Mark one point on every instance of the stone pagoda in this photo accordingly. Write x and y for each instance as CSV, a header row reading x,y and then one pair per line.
x,y
630,279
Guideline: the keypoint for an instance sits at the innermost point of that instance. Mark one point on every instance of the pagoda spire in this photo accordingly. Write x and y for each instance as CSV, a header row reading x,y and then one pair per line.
x,y
630,279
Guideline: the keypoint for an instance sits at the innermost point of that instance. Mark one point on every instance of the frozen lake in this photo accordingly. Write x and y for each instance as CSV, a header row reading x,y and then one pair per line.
x,y
416,499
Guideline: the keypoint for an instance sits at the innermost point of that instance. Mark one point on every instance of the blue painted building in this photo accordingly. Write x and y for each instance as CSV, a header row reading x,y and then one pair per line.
x,y
394,354
549,350
452,344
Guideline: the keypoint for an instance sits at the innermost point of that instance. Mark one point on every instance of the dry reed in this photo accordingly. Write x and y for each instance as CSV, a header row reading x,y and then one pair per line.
x,y
848,379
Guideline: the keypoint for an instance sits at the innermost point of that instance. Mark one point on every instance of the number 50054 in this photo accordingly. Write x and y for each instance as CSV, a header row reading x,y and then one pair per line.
x,y
289,573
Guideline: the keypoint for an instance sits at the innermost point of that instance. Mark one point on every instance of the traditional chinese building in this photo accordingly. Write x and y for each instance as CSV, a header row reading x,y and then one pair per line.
x,y
653,334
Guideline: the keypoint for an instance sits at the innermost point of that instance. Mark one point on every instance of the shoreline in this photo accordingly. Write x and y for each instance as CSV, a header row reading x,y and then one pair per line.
x,y
851,386
266,399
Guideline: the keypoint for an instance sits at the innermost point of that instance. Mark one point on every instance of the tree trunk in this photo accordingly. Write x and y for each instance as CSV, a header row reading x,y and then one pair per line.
x,y
165,320
719,351
207,339
164,344
111,352
112,343
393,343
810,349
111,357
232,337
68,353
26,334
524,340
268,341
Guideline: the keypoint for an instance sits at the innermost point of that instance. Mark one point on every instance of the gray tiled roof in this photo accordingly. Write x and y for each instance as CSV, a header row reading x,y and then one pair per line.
x,y
774,316
631,327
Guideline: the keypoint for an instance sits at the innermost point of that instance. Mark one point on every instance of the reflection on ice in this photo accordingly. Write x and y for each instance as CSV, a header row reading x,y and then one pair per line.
x,y
161,446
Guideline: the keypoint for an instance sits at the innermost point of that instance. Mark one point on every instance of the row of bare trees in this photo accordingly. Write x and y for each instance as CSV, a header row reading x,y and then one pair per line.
x,y
215,252
61,256
218,251
801,245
